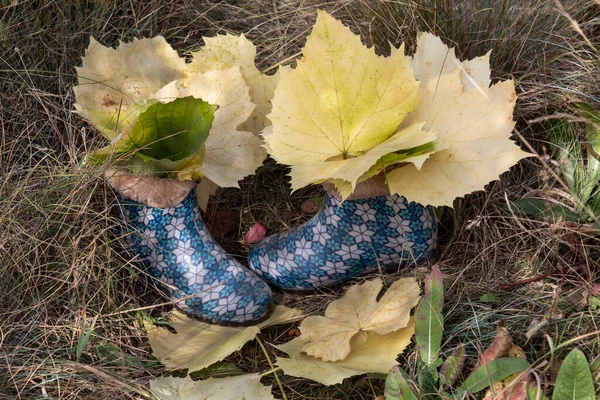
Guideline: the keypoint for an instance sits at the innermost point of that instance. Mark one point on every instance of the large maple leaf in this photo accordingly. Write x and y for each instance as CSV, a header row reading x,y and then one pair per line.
x,y
336,114
474,123
119,87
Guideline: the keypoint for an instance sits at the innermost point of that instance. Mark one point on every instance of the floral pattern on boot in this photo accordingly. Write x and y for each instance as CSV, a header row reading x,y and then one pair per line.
x,y
345,240
177,250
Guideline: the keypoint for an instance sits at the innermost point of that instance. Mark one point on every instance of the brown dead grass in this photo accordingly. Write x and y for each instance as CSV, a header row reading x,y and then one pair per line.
x,y
59,262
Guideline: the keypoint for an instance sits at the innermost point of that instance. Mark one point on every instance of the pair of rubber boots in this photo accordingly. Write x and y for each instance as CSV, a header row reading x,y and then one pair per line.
x,y
343,240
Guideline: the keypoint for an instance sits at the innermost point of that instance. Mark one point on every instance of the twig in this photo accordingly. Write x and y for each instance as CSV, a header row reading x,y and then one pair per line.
x,y
524,281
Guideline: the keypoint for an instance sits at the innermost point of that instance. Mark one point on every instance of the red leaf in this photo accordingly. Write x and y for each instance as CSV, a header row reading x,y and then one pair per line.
x,y
256,233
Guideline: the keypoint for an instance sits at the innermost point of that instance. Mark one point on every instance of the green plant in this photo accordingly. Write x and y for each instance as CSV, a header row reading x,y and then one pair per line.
x,y
440,384
575,144
574,379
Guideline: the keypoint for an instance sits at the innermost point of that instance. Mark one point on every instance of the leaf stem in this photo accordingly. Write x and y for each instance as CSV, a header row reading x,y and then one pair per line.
x,y
273,368
270,371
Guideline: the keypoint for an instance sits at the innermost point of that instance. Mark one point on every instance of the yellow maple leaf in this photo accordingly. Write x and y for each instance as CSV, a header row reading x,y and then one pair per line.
x,y
341,103
473,122
240,387
230,154
434,59
197,345
226,51
369,353
329,337
114,83
352,169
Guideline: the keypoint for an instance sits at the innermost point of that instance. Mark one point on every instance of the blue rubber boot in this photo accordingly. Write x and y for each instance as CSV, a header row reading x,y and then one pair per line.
x,y
178,251
345,240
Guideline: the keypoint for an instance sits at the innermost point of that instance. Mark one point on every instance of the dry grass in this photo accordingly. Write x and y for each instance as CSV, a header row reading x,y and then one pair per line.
x,y
58,260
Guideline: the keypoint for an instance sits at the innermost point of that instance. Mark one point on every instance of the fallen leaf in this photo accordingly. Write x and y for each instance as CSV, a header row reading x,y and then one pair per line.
x,y
197,345
256,233
515,386
453,367
221,222
499,347
369,352
578,298
242,387
329,337
312,205
294,332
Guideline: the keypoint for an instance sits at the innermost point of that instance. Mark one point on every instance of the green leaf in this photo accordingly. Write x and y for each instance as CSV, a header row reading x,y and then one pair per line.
x,y
166,134
428,381
174,130
112,355
491,373
594,303
563,137
429,321
489,298
574,380
453,366
533,394
396,386
220,369
396,158
540,209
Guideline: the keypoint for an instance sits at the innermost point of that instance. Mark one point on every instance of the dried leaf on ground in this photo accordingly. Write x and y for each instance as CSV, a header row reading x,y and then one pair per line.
x,y
242,387
578,298
499,347
197,345
329,337
369,352
514,387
